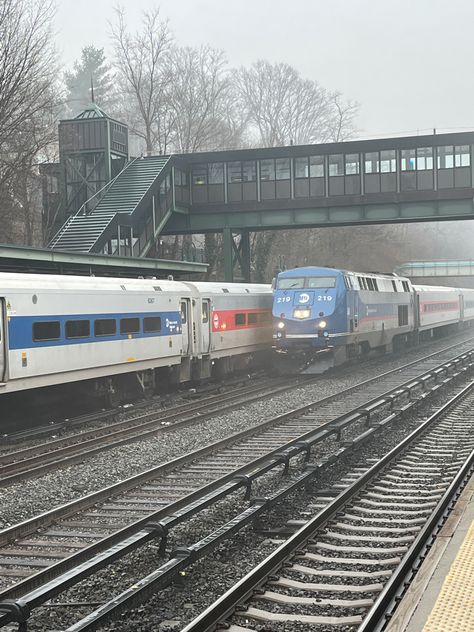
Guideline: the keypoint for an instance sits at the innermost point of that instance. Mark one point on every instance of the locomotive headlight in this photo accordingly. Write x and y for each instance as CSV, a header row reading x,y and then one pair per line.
x,y
281,325
322,324
302,313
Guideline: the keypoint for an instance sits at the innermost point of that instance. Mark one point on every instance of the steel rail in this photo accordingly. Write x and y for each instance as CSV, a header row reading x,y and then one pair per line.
x,y
150,529
122,433
226,606
125,432
184,556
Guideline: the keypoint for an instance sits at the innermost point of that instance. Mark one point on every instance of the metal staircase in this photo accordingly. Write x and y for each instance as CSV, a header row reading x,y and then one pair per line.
x,y
124,194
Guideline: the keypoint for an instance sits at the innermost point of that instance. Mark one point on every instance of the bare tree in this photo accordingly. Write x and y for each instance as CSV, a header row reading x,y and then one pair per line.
x,y
281,106
200,98
284,108
28,101
143,73
341,123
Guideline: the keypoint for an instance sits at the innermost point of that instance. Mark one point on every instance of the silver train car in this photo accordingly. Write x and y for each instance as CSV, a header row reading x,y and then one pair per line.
x,y
62,329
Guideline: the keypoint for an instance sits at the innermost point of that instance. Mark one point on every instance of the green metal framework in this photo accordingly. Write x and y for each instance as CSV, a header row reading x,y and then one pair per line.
x,y
409,179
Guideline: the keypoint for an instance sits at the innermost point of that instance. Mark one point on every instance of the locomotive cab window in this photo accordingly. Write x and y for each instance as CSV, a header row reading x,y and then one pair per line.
x,y
321,282
291,283
105,327
78,329
46,330
205,312
129,325
240,319
151,324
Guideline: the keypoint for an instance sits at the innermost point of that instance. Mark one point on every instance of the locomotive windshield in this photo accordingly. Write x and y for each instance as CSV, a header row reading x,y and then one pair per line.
x,y
292,283
297,283
321,282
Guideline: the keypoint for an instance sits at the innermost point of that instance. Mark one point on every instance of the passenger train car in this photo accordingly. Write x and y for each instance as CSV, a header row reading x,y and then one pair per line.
x,y
62,329
350,313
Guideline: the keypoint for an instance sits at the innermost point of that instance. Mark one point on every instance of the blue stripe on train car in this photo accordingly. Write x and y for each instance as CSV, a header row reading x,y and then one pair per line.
x,y
20,328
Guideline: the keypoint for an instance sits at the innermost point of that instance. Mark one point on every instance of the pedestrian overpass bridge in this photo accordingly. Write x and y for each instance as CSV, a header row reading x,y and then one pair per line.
x,y
405,179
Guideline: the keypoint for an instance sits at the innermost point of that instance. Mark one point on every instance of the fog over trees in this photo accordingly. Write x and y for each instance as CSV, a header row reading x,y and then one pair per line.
x,y
176,98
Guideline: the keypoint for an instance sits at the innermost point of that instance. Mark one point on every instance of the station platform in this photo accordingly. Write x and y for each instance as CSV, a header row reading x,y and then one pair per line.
x,y
441,598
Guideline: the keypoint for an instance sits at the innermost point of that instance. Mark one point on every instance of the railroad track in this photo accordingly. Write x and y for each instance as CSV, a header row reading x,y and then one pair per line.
x,y
35,460
346,565
135,511
17,465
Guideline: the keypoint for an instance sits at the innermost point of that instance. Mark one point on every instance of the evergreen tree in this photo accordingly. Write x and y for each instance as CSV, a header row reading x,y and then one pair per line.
x,y
92,67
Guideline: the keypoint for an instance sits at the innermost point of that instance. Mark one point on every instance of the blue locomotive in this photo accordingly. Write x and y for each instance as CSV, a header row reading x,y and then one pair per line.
x,y
340,314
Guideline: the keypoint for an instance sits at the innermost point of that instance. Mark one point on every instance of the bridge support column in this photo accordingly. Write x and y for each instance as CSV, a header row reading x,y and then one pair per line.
x,y
236,252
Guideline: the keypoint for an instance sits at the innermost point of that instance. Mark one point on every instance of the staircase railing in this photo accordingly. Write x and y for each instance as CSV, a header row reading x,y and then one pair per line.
x,y
82,209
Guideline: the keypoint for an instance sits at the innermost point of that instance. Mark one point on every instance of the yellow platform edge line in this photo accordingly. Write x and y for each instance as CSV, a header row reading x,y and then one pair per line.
x,y
454,608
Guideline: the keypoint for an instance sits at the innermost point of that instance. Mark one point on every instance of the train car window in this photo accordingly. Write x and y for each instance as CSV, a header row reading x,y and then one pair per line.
x,y
129,325
151,324
46,330
368,283
240,319
321,282
184,312
291,283
78,329
105,327
205,312
252,319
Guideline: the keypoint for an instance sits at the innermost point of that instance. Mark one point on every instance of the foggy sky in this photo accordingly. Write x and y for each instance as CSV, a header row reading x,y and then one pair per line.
x,y
408,63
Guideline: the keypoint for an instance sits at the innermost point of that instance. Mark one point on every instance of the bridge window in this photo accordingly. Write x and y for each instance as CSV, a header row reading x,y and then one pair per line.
x,y
462,157
249,171
199,175
446,157
424,158
242,181
316,166
216,173
336,165
234,172
301,168
408,157
352,164
283,169
267,170
372,162
388,161
283,186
